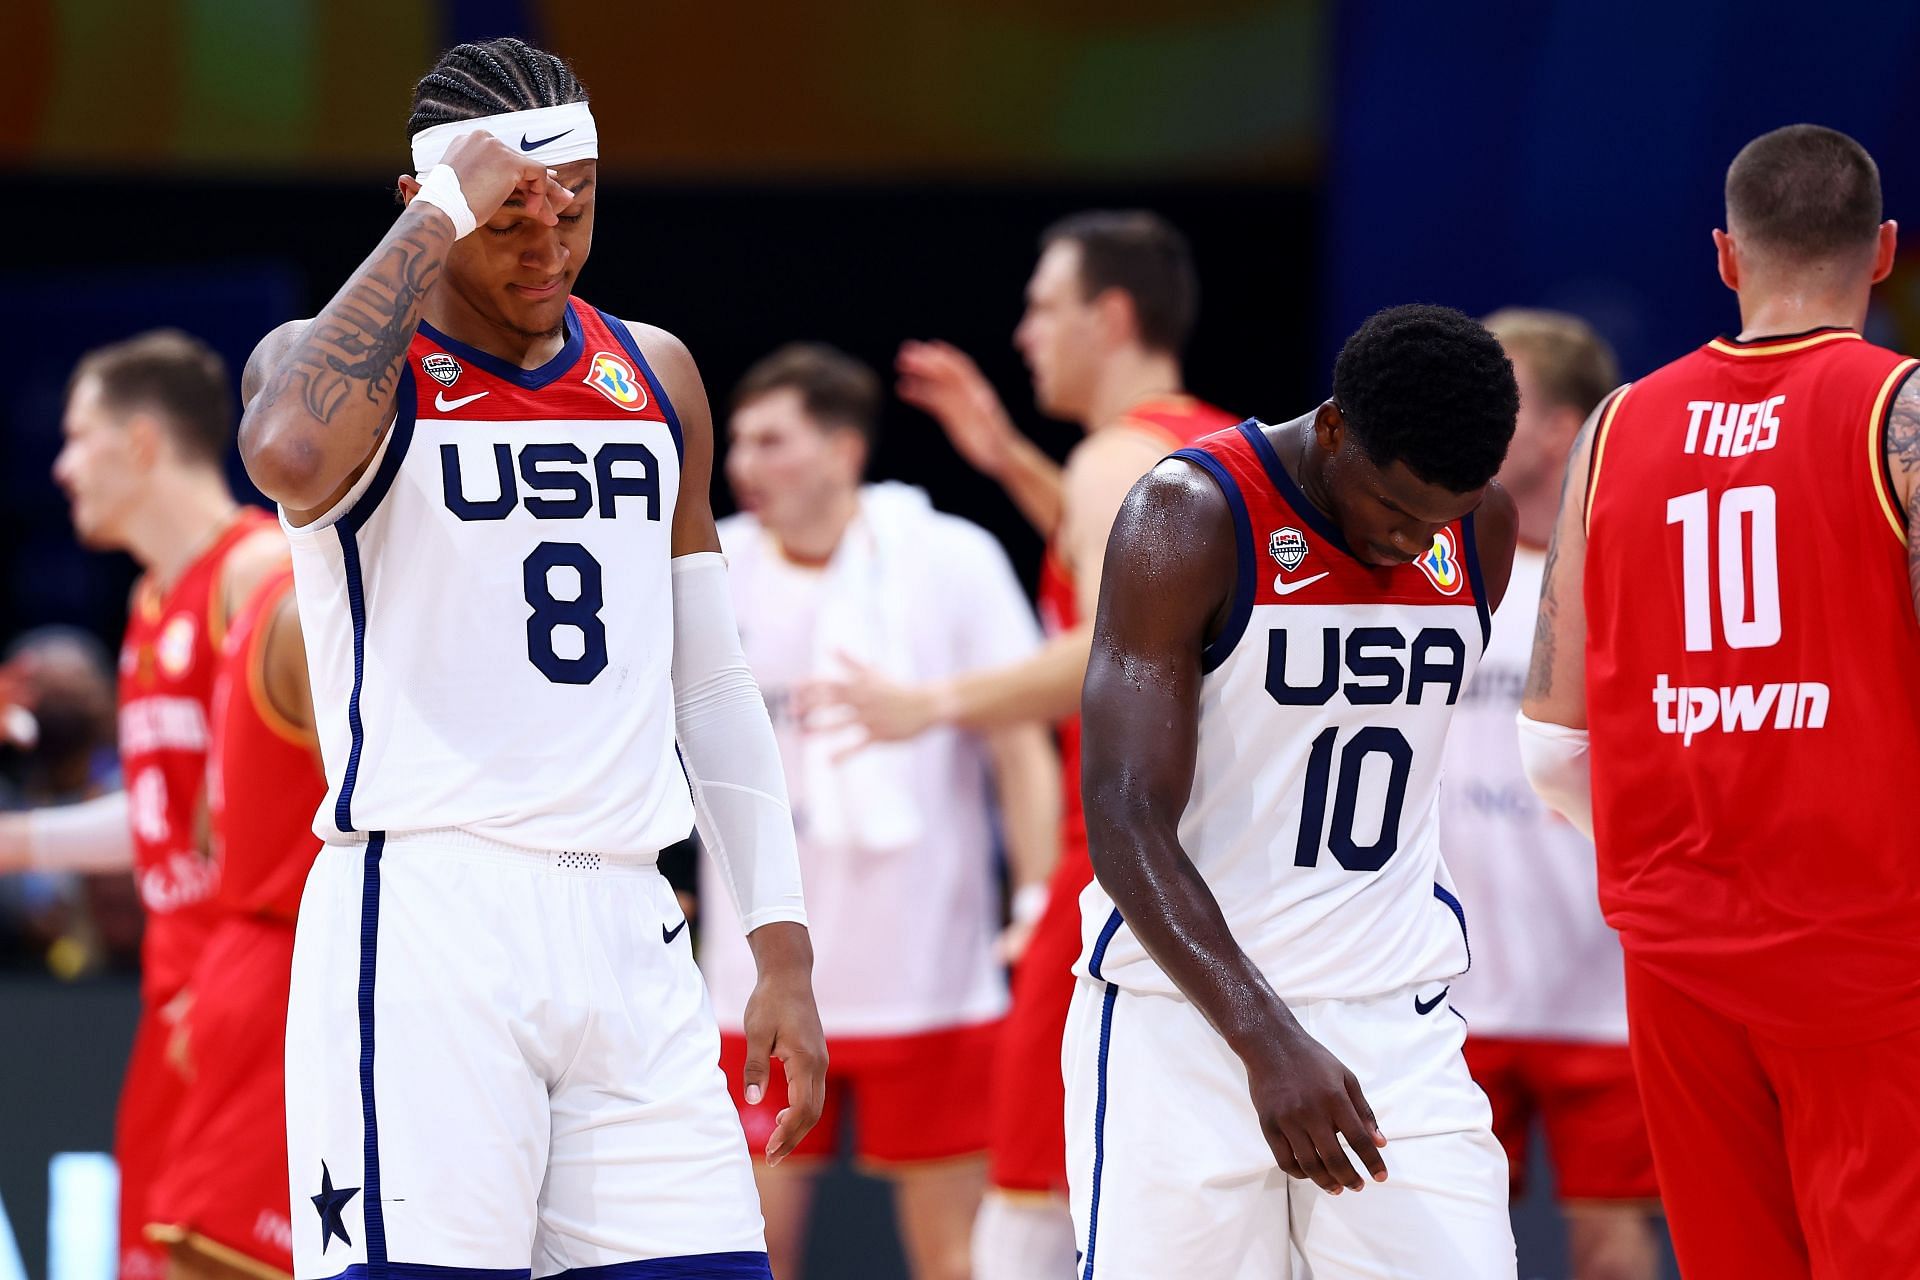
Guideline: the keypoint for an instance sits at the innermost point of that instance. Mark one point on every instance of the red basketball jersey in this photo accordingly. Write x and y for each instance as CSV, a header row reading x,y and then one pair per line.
x,y
166,687
1178,420
1753,684
263,784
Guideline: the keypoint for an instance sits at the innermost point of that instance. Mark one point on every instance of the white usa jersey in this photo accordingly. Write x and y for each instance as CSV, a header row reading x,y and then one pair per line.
x,y
1324,706
488,612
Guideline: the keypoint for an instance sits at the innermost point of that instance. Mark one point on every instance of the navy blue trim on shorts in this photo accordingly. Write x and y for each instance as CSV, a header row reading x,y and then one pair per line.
x,y
741,1265
425,1271
1291,492
371,1216
618,328
1100,1125
1243,582
1111,927
506,370
1460,914
1470,552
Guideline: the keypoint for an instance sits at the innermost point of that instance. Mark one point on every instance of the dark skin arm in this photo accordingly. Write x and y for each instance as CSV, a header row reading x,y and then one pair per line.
x,y
1496,532
1168,581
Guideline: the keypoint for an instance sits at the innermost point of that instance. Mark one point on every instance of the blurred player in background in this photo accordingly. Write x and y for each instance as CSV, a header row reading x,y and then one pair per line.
x,y
1290,615
526,682
1110,306
896,841
1730,613
1546,999
221,1202
148,425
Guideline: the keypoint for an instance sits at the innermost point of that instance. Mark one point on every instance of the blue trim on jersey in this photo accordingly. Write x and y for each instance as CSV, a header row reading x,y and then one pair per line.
x,y
404,407
1100,1125
1470,549
1111,927
741,1265
1290,491
1460,913
424,1271
376,1226
357,612
506,370
1243,583
618,328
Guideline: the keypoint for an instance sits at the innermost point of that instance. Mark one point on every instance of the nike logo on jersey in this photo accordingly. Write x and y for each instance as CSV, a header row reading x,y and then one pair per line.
x,y
445,405
536,145
668,935
1425,1007
1282,587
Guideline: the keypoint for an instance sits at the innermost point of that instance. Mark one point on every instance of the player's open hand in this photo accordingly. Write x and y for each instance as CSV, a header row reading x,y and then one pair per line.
x,y
865,699
782,1022
941,380
1307,1101
491,173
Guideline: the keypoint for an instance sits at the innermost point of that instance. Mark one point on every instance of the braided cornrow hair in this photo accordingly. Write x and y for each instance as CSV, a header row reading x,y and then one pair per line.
x,y
486,79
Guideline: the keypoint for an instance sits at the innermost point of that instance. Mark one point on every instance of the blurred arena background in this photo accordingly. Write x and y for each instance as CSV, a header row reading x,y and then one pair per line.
x,y
860,174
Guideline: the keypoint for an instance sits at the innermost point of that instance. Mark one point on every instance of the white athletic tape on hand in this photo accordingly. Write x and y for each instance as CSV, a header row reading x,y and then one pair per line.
x,y
551,135
440,187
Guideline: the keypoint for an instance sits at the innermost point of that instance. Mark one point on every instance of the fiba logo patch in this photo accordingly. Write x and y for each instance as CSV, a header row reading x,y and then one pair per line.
x,y
615,379
1288,547
441,367
1441,564
175,648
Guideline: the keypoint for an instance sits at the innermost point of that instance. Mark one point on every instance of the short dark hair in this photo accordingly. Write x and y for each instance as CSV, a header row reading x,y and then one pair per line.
x,y
1429,387
491,77
1144,256
1805,191
176,377
836,390
1573,365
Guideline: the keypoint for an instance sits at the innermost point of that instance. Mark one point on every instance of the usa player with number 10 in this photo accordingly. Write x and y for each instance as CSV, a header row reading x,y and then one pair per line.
x,y
500,1056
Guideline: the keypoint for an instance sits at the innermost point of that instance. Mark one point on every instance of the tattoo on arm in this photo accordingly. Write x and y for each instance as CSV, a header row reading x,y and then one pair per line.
x,y
357,344
1903,462
1540,670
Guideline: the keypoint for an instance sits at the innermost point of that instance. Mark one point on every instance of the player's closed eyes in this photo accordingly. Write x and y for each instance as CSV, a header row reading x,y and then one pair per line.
x,y
509,230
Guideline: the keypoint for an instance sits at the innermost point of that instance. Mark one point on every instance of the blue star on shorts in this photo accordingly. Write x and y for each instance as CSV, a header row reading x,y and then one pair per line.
x,y
328,1205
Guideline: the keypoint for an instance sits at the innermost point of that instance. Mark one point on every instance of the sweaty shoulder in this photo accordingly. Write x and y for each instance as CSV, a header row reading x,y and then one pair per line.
x,y
1496,530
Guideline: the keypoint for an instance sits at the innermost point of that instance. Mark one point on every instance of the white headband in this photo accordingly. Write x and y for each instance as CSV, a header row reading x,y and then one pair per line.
x,y
552,135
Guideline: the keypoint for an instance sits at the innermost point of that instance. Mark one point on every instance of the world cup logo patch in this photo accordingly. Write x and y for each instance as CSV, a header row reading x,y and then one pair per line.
x,y
1441,564
615,379
1288,547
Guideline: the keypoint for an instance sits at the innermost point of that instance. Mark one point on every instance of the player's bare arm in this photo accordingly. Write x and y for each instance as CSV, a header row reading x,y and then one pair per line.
x,y
781,1018
1169,580
1556,690
944,382
1903,460
325,402
1496,530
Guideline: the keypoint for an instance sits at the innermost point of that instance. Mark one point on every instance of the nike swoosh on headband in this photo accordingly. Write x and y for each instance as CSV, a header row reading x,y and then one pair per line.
x,y
535,146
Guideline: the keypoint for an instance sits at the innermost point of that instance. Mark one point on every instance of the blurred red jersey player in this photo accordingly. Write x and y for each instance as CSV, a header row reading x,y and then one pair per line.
x,y
222,1200
1110,305
1728,626
148,425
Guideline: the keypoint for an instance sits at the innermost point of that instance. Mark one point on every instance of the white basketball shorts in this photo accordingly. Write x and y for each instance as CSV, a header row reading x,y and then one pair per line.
x,y
1170,1176
502,1064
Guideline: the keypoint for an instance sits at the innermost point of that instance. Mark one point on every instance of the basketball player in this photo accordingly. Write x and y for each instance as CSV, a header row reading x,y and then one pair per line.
x,y
148,425
1109,309
1546,999
897,843
1290,615
499,1052
221,1203
1729,622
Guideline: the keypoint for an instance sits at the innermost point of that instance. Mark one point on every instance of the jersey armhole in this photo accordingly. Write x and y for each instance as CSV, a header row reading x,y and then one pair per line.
x,y
1597,452
255,660
1222,645
618,328
358,504
1879,462
1470,552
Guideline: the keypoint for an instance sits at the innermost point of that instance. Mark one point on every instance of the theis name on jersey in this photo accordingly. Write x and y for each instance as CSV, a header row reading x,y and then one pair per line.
x,y
1733,430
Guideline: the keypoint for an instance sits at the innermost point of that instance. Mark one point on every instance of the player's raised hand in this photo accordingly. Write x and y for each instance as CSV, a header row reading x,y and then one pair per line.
x,y
1307,1101
491,173
782,1022
941,380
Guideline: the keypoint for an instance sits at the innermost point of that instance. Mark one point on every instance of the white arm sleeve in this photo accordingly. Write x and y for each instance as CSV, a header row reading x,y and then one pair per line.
x,y
1555,760
728,748
90,836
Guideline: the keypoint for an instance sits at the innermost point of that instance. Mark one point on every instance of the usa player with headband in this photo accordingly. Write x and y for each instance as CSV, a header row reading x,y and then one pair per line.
x,y
500,1056
1288,617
